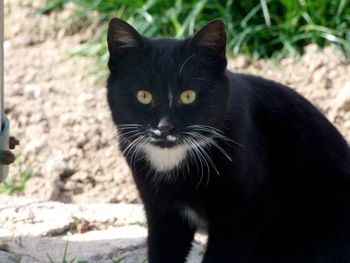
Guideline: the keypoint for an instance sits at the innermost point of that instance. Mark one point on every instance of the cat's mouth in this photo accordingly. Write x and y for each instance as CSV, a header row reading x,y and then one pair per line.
x,y
164,142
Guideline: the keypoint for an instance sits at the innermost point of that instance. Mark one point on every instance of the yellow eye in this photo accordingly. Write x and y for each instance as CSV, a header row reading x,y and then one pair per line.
x,y
188,96
144,96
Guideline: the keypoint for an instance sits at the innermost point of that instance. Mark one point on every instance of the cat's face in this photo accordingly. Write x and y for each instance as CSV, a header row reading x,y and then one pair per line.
x,y
166,95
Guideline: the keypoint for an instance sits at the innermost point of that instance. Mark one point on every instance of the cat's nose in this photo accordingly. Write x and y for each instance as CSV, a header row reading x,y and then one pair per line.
x,y
165,128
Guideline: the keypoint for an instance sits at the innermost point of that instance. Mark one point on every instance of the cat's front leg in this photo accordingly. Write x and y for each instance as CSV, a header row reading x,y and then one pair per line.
x,y
230,243
169,236
222,251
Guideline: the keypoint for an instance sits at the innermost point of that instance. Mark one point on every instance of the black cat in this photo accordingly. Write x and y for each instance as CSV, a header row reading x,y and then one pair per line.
x,y
249,160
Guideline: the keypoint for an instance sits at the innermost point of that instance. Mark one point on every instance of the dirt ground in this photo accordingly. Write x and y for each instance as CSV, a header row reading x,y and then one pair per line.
x,y
68,142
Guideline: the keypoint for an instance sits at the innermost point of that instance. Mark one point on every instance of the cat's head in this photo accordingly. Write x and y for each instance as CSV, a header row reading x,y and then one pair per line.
x,y
167,96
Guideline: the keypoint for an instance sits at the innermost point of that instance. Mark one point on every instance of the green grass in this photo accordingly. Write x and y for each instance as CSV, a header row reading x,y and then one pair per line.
x,y
65,260
260,28
16,185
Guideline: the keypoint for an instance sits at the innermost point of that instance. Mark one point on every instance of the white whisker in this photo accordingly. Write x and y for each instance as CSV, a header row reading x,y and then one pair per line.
x,y
203,155
195,155
214,131
183,64
213,143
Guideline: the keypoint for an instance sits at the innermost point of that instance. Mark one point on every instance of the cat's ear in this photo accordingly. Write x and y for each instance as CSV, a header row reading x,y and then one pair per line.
x,y
212,36
121,35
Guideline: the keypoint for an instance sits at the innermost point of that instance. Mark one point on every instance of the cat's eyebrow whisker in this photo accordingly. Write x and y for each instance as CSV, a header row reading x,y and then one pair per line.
x,y
183,64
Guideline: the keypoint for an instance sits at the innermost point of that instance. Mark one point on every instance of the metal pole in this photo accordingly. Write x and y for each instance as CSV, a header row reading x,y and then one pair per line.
x,y
1,62
6,142
3,135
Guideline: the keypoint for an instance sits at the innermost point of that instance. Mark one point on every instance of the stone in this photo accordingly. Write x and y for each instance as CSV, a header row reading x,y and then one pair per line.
x,y
32,90
242,61
7,257
42,188
93,246
111,231
343,97
35,145
26,216
56,165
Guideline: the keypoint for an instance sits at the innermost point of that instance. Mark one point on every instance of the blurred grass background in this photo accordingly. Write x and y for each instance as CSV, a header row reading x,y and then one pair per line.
x,y
258,28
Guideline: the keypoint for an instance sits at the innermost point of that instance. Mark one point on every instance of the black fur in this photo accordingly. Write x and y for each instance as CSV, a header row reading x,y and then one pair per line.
x,y
284,197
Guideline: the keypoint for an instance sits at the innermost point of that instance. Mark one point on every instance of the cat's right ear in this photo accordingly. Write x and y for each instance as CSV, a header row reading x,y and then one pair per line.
x,y
121,36
212,37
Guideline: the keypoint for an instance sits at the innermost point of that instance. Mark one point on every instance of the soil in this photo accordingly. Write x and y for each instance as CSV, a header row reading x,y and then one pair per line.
x,y
68,142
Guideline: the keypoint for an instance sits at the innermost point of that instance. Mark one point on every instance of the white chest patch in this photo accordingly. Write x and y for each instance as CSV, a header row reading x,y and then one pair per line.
x,y
165,159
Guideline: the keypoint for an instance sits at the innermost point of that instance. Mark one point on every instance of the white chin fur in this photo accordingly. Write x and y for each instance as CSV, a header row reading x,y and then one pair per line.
x,y
165,159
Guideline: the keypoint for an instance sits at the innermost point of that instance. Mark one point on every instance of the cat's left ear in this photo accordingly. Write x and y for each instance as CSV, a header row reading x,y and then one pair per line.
x,y
121,36
212,37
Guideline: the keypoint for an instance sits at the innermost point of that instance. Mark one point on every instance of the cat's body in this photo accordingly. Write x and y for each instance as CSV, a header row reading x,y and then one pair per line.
x,y
273,182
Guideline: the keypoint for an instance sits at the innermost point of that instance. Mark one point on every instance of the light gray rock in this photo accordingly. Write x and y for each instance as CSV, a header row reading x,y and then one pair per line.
x,y
343,97
56,164
36,145
13,257
36,231
93,246
7,257
32,90
24,216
